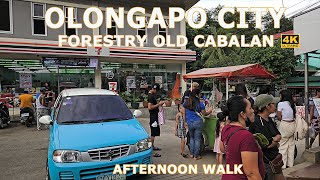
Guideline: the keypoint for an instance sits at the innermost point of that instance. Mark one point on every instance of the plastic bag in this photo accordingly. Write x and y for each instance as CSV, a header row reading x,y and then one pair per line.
x,y
161,116
312,133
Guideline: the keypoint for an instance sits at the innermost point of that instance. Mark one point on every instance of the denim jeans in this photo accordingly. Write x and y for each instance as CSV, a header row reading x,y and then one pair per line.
x,y
195,133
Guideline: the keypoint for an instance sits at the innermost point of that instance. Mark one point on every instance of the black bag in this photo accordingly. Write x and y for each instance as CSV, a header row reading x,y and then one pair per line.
x,y
276,164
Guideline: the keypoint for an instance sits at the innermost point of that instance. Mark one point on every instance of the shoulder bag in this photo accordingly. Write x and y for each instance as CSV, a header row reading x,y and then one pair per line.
x,y
276,164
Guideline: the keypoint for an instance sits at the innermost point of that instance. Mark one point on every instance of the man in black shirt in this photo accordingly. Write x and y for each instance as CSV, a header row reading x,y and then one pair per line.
x,y
153,107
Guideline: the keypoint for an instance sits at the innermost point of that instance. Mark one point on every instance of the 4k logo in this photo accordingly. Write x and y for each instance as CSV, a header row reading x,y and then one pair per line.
x,y
290,41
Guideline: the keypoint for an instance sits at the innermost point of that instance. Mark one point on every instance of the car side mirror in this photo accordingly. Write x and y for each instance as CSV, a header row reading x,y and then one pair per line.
x,y
137,113
45,120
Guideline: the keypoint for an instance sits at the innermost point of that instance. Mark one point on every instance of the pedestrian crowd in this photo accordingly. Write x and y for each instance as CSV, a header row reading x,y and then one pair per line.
x,y
246,131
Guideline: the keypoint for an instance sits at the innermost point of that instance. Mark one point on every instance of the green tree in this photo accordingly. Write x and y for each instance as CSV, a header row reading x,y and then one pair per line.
x,y
279,61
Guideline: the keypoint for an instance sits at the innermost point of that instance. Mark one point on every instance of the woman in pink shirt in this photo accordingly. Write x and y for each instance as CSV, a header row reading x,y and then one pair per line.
x,y
238,144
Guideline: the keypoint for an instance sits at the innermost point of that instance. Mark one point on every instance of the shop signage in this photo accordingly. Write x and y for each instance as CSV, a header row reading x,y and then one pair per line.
x,y
25,80
93,63
60,61
113,86
110,74
131,82
158,79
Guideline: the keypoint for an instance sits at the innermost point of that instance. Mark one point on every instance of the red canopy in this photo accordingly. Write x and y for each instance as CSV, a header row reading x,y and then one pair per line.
x,y
242,71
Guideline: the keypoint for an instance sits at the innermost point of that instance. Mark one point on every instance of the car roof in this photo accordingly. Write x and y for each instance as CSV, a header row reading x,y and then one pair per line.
x,y
86,92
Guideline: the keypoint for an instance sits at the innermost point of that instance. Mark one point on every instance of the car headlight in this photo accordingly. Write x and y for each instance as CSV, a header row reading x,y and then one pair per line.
x,y
143,145
66,156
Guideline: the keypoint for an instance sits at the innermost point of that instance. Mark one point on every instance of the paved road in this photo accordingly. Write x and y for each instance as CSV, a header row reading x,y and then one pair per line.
x,y
23,153
24,150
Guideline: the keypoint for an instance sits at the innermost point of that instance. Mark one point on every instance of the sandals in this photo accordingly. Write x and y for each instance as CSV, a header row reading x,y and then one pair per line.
x,y
184,155
156,149
157,155
197,158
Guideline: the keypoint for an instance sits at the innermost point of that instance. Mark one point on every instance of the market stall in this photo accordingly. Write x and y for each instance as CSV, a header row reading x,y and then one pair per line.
x,y
252,71
248,71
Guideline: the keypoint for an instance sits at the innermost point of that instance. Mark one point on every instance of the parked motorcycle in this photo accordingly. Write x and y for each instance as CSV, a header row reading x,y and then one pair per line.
x,y
4,115
27,116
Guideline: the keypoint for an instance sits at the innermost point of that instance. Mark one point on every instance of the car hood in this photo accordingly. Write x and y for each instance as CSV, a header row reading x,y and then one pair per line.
x,y
83,137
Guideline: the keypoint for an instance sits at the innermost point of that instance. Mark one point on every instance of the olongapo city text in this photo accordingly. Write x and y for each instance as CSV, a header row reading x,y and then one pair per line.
x,y
159,89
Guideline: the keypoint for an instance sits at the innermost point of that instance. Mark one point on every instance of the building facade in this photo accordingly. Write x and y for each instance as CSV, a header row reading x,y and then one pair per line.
x,y
25,41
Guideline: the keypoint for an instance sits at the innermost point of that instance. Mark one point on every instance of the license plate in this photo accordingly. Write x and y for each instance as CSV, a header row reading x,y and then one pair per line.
x,y
25,115
111,177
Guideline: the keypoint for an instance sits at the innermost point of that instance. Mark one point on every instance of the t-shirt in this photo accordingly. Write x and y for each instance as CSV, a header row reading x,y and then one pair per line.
x,y
286,110
269,130
26,100
241,141
153,100
192,116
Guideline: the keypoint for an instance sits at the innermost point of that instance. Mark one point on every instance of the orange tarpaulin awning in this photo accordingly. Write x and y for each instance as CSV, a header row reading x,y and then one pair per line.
x,y
241,71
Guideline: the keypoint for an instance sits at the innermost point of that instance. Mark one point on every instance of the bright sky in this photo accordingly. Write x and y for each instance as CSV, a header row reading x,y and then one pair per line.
x,y
291,5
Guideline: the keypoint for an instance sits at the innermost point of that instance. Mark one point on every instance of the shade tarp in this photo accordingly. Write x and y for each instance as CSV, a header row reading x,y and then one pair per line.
x,y
241,71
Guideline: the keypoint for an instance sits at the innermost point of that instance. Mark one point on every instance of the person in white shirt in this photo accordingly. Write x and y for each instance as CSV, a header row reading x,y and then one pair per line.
x,y
42,107
286,114
91,84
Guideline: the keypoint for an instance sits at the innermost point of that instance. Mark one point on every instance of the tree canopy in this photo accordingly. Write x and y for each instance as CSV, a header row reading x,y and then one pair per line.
x,y
279,61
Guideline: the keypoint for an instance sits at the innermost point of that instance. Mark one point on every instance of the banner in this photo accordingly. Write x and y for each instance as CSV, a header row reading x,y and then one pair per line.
x,y
25,80
113,86
47,62
131,82
301,111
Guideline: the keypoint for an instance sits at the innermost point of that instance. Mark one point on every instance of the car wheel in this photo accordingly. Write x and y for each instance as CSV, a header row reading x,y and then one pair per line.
x,y
47,172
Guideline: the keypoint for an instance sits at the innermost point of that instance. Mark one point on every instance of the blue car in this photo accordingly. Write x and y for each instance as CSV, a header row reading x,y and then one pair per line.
x,y
91,131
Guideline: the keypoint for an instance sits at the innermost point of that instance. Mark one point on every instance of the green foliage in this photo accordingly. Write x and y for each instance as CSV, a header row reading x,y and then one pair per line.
x,y
277,60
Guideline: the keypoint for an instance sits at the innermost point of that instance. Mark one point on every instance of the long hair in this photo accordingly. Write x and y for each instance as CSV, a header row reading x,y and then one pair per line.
x,y
193,101
234,107
241,90
286,95
221,118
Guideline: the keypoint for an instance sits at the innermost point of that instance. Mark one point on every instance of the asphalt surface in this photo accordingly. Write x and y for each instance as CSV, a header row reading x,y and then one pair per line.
x,y
24,151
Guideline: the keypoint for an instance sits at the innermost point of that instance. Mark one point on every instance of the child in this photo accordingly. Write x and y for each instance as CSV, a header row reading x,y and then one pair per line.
x,y
219,127
181,129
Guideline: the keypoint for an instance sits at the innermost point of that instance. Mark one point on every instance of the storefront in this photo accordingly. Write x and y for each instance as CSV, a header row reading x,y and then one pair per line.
x,y
125,69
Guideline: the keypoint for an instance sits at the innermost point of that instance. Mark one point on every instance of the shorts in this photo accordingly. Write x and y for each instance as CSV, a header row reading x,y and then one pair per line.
x,y
155,131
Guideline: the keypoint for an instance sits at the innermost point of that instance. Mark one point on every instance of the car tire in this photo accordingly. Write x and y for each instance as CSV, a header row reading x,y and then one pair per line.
x,y
1,123
47,172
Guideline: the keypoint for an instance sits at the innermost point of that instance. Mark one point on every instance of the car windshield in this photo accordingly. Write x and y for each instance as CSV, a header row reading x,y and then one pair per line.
x,y
92,109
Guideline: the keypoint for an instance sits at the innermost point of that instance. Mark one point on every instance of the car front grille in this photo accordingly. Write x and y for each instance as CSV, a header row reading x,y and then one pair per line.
x,y
146,160
109,153
93,173
66,175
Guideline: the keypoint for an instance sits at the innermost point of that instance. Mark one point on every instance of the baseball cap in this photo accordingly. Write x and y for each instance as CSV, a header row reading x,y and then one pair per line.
x,y
264,99
156,86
